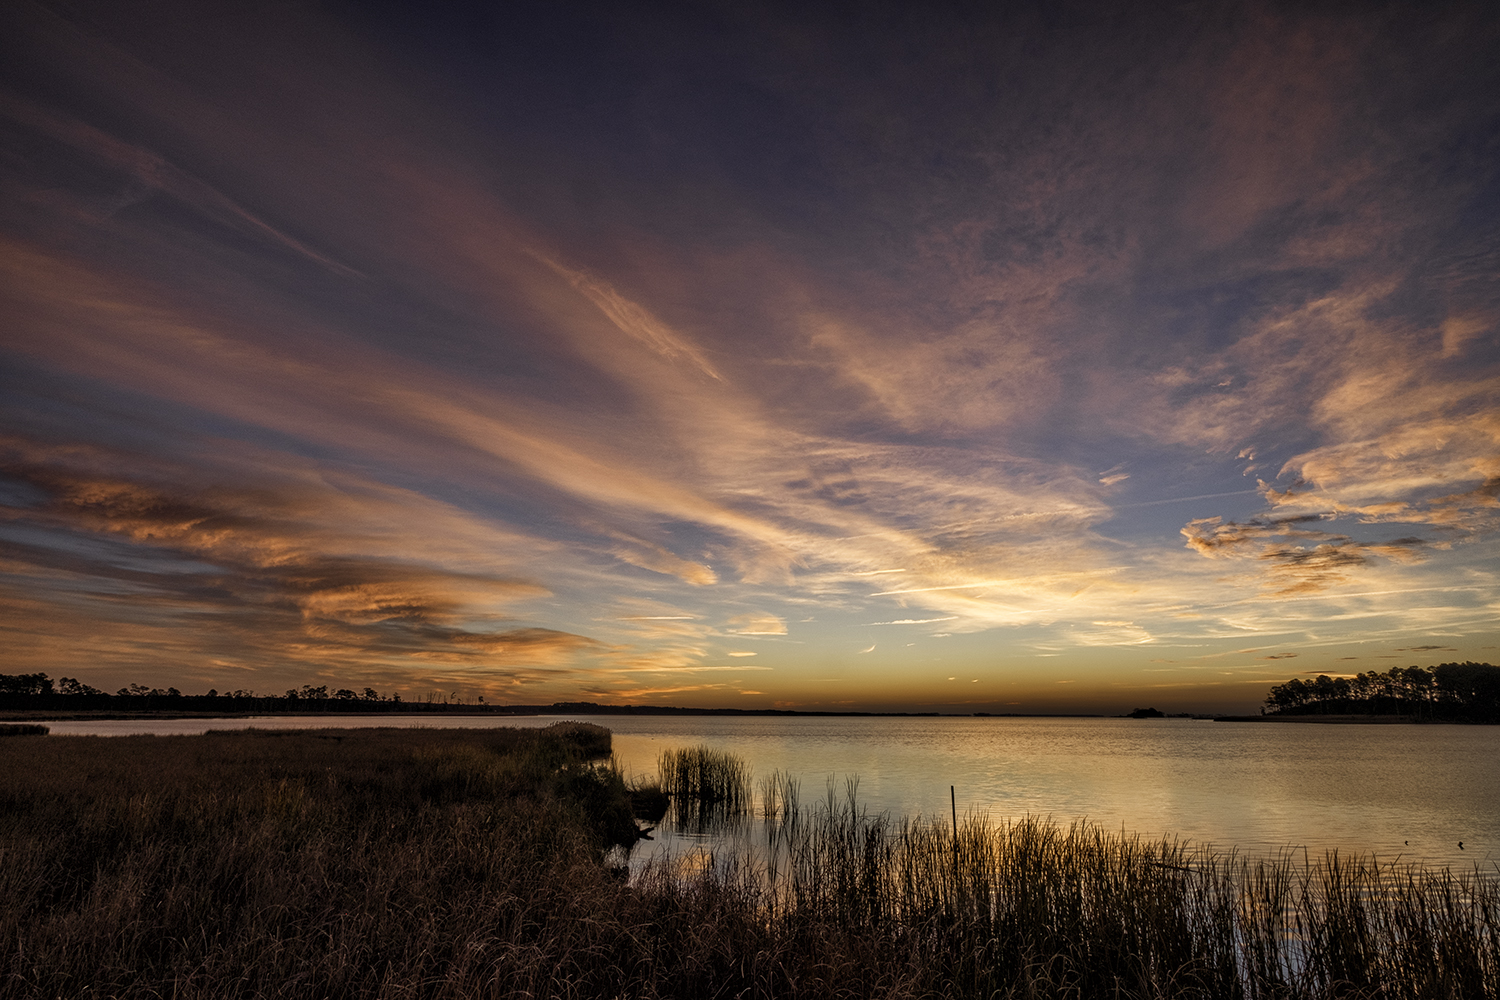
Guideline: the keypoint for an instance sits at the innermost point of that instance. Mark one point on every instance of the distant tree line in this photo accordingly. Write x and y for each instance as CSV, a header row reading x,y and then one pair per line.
x,y
39,692
1468,692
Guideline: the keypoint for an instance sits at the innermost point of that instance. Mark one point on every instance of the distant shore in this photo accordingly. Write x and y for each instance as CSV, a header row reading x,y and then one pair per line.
x,y
457,713
1357,720
520,711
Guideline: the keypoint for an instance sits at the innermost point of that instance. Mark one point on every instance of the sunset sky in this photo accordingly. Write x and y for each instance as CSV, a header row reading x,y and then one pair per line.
x,y
1012,358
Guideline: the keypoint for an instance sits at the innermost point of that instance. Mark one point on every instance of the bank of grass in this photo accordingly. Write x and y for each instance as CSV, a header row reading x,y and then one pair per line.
x,y
432,863
354,863
22,729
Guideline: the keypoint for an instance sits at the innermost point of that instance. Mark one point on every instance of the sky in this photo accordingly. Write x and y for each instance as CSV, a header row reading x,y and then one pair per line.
x,y
996,357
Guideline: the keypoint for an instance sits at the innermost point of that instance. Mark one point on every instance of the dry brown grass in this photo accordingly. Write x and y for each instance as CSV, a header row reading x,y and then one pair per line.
x,y
348,863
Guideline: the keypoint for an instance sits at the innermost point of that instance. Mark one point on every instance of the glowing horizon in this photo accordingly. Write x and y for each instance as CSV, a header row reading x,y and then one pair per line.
x,y
749,359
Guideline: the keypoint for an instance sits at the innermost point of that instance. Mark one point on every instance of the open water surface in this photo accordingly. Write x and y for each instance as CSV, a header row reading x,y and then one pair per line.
x,y
1400,792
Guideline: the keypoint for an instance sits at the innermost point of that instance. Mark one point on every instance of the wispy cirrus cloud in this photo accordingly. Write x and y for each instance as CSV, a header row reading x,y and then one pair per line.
x,y
632,319
916,621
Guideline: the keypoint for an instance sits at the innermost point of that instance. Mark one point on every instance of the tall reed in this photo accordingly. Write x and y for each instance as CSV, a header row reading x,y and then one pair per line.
x,y
707,787
780,796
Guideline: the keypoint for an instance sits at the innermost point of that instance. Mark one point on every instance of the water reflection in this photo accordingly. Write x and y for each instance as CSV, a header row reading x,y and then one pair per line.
x,y
708,790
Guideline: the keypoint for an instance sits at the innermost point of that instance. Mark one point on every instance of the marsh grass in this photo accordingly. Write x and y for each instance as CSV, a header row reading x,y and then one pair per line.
x,y
305,864
780,796
707,788
453,864
1030,908
22,729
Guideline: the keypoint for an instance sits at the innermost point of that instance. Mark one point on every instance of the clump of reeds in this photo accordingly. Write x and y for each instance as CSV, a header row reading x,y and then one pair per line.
x,y
707,787
22,729
707,775
780,796
592,741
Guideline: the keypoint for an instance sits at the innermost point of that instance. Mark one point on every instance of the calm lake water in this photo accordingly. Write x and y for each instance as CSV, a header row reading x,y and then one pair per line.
x,y
1397,791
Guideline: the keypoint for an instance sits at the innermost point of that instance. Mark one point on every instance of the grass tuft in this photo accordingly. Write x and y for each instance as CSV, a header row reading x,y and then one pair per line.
x,y
707,787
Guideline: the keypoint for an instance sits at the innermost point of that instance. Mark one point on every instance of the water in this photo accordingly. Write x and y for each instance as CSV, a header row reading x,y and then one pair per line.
x,y
1407,793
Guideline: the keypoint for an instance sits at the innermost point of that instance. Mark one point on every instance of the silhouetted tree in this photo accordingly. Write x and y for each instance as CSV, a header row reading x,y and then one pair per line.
x,y
1460,691
25,684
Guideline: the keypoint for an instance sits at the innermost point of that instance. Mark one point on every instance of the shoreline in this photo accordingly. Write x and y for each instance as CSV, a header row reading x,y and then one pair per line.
x,y
469,712
1350,720
103,715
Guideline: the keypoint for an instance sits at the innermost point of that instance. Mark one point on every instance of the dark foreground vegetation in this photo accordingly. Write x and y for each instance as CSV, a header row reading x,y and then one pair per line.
x,y
22,729
1448,692
431,863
